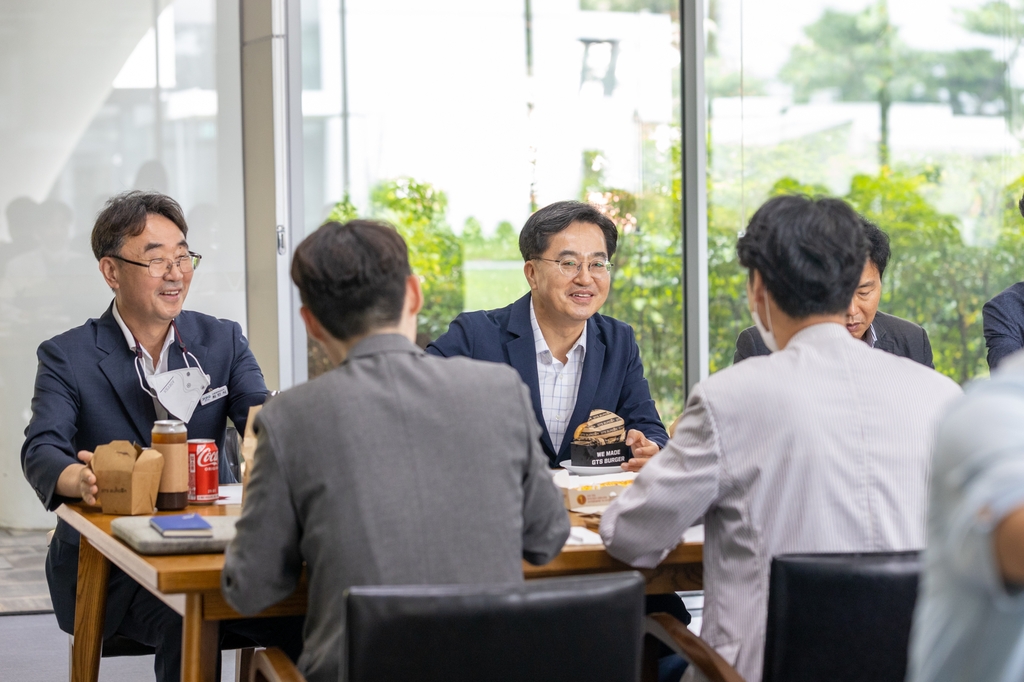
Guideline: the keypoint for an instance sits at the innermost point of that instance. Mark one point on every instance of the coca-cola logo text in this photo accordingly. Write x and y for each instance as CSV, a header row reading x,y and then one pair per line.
x,y
206,456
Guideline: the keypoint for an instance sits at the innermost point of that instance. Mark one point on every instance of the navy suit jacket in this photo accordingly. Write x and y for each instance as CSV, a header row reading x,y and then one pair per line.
x,y
1004,324
893,335
613,376
87,393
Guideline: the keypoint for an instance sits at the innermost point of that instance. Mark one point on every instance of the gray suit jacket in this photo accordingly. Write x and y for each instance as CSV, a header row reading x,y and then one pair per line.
x,y
894,335
397,467
824,446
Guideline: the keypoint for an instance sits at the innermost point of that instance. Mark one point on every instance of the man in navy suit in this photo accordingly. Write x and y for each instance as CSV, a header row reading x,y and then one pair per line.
x,y
1004,320
573,359
90,390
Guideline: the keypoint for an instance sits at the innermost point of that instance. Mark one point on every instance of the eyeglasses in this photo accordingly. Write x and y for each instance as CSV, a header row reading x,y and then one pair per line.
x,y
160,267
570,267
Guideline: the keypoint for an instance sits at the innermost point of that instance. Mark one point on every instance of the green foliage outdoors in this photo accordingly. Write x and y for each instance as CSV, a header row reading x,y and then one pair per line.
x,y
934,278
646,290
418,210
502,245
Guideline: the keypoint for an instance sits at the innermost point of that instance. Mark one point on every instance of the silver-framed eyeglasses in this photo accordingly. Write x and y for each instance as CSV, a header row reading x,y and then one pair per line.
x,y
159,267
570,267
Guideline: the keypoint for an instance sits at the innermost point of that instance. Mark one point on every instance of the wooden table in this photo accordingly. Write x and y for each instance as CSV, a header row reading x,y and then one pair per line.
x,y
190,584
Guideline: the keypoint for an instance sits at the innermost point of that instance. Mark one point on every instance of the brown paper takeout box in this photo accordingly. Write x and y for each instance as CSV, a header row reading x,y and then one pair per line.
x,y
127,476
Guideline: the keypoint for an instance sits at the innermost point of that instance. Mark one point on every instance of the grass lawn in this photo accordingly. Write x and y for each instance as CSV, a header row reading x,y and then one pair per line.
x,y
493,284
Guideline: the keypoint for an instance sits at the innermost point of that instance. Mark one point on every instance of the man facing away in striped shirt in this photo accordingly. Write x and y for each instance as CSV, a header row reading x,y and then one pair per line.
x,y
822,446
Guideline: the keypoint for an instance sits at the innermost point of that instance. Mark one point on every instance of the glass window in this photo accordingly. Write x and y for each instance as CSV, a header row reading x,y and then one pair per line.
x,y
98,101
909,110
457,140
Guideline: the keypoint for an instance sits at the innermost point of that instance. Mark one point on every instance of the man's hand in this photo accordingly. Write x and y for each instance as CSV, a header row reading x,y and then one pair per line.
x,y
78,480
643,450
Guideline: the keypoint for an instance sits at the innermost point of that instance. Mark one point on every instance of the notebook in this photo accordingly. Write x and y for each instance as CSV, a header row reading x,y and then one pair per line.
x,y
182,526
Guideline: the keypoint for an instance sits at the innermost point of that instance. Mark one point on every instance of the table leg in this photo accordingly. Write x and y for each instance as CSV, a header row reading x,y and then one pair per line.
x,y
90,610
198,643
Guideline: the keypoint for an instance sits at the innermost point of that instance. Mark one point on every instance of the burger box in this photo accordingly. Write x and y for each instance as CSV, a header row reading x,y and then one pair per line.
x,y
127,476
591,493
605,455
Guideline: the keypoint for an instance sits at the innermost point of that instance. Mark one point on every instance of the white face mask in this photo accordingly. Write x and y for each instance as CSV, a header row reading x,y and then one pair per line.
x,y
766,336
178,390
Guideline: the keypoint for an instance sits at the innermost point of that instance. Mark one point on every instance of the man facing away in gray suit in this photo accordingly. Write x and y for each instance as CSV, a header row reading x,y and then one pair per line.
x,y
864,320
396,467
822,446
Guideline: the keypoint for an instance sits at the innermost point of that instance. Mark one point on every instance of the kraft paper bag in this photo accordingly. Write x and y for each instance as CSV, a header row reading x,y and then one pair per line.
x,y
127,476
249,447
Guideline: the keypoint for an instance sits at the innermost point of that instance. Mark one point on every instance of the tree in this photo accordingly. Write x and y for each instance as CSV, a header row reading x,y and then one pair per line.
x,y
1003,20
646,290
418,211
861,58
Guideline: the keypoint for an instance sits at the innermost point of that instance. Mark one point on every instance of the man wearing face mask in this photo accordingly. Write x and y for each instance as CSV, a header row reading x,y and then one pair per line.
x,y
99,382
863,319
822,446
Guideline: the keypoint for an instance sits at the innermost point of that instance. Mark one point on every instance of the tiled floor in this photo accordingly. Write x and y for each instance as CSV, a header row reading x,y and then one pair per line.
x,y
33,649
22,581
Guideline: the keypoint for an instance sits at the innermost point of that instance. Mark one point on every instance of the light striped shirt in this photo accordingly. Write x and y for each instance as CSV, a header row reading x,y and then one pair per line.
x,y
559,382
969,623
823,446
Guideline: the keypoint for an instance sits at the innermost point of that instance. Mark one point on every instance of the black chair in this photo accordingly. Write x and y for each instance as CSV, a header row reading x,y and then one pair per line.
x,y
586,628
840,617
831,618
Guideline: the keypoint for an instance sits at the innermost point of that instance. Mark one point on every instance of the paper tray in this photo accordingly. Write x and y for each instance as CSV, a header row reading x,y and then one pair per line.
x,y
144,539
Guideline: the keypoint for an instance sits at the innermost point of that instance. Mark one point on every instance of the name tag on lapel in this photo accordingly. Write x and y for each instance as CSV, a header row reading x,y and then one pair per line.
x,y
215,394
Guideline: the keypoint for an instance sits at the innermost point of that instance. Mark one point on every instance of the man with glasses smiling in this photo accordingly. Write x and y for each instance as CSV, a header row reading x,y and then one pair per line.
x,y
572,358
95,384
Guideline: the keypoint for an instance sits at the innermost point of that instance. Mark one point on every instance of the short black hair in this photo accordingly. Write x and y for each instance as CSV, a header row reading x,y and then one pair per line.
x,y
553,218
878,245
810,253
124,216
352,276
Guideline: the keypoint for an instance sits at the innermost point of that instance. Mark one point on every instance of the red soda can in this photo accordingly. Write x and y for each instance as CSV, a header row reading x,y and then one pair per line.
x,y
203,474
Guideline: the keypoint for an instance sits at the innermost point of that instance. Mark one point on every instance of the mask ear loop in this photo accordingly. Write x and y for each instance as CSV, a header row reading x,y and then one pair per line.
x,y
138,372
185,354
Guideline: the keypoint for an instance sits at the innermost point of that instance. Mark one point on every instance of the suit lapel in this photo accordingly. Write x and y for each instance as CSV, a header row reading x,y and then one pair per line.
x,y
119,368
522,354
593,361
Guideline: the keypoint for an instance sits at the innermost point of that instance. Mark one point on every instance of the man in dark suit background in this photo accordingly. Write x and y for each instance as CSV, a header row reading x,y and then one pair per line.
x,y
1004,320
863,319
573,359
89,391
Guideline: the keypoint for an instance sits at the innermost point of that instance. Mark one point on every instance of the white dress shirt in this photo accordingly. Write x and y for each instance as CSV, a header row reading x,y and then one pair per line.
x,y
149,368
823,446
559,382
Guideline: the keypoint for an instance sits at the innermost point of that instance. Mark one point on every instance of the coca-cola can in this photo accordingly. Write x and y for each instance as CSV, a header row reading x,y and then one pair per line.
x,y
203,474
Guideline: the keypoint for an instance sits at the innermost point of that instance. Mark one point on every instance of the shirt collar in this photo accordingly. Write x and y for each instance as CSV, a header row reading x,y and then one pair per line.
x,y
130,338
541,346
870,338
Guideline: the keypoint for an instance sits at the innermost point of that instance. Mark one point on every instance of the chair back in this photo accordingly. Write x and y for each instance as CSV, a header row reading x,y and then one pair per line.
x,y
586,628
840,617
